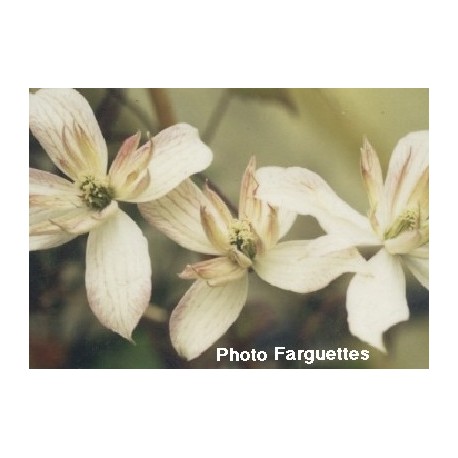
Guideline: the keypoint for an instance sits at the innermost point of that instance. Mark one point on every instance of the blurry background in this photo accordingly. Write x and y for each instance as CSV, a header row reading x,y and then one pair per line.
x,y
320,129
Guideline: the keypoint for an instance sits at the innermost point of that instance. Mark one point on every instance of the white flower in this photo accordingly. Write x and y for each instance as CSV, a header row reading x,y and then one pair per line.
x,y
398,222
118,270
202,222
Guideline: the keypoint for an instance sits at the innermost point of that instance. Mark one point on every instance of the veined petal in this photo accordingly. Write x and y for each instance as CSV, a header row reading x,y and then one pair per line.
x,y
371,172
249,206
216,233
118,274
177,215
304,192
269,222
377,301
50,196
129,175
219,205
407,164
217,271
307,265
64,124
417,261
76,221
178,153
43,242
45,183
204,314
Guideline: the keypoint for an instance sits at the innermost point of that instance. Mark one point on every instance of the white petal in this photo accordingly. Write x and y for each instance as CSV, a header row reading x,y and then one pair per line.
x,y
65,126
177,215
178,153
128,173
50,221
50,196
216,271
307,265
302,191
45,183
204,314
42,242
56,212
408,161
118,274
377,301
286,219
417,262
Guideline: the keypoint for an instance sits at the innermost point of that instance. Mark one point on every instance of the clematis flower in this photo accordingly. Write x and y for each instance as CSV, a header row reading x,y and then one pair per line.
x,y
118,269
202,222
397,222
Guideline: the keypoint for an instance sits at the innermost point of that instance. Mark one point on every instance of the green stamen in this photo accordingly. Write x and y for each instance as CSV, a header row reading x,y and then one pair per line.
x,y
96,194
242,236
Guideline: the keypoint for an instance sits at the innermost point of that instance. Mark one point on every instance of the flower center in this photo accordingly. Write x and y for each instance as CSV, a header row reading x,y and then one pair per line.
x,y
243,237
96,193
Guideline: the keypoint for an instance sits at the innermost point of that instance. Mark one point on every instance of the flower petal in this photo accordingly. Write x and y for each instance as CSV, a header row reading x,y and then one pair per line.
x,y
377,301
204,314
371,172
56,211
50,196
64,124
76,221
178,153
177,215
217,271
408,162
128,173
417,262
217,234
43,242
307,265
118,274
302,191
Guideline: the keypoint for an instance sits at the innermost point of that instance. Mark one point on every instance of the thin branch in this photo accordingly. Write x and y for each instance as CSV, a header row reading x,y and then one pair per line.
x,y
163,107
135,109
217,116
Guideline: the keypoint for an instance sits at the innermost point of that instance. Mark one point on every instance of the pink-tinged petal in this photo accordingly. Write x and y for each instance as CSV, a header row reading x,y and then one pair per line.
x,y
178,153
76,221
50,196
408,162
377,301
64,124
249,206
129,175
43,242
302,191
53,203
417,261
177,215
285,217
371,172
216,271
270,223
307,265
118,274
45,183
217,234
219,205
204,314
